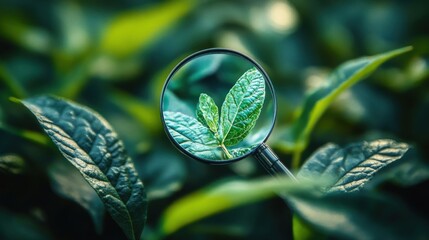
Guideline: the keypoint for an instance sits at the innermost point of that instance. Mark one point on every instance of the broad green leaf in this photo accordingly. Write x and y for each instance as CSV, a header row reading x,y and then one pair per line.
x,y
345,76
12,164
68,183
349,169
242,107
87,141
131,31
358,216
218,198
208,113
193,136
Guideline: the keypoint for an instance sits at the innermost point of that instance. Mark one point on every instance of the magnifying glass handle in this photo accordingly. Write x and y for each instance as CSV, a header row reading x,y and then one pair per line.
x,y
269,160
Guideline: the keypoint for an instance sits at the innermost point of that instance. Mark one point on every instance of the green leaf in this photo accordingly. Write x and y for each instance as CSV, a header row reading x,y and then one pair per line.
x,y
345,76
208,113
349,169
68,183
12,164
218,198
238,152
192,135
242,107
90,144
131,31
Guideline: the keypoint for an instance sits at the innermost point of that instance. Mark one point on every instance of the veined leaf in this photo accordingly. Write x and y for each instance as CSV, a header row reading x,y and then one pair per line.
x,y
349,169
193,136
208,113
90,144
242,107
345,76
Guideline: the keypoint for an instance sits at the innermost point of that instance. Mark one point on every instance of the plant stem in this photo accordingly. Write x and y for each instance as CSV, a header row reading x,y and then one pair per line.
x,y
228,155
296,159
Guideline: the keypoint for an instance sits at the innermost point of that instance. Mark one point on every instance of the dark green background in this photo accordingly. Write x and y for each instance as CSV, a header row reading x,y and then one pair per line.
x,y
114,57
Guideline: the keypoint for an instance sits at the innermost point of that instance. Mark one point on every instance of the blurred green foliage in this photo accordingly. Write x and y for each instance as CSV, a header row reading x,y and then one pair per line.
x,y
114,57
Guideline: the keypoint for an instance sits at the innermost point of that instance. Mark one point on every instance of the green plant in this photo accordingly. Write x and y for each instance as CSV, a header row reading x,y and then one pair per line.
x,y
207,133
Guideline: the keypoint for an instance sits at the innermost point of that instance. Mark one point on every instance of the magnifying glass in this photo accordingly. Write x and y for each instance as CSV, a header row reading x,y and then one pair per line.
x,y
218,106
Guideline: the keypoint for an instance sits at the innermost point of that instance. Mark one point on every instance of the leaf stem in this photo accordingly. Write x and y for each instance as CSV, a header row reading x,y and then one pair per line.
x,y
225,150
296,159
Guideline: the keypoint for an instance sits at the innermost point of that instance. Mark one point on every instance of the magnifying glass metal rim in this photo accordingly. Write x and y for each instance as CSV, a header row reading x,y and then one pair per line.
x,y
207,52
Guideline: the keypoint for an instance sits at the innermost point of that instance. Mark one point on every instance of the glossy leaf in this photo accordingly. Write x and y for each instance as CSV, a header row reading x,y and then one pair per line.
x,y
242,107
193,136
345,76
88,142
67,182
208,113
349,169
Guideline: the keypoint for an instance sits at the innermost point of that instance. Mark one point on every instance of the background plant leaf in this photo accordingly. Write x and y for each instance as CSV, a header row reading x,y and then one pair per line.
x,y
12,163
316,103
87,141
193,136
349,169
242,107
208,113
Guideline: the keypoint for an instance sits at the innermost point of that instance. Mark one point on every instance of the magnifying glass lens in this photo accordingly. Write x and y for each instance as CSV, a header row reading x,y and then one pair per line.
x,y
218,106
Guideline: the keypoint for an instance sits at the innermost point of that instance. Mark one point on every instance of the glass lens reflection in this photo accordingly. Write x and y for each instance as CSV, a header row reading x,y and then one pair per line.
x,y
218,106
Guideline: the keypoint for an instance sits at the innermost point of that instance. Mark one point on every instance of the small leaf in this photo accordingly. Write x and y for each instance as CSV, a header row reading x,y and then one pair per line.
x,y
67,182
242,107
90,144
208,113
350,168
192,135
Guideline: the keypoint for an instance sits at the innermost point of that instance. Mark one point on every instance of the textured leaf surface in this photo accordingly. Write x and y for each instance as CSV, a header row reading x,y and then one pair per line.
x,y
89,143
238,152
242,107
348,169
208,113
192,135
345,76
67,182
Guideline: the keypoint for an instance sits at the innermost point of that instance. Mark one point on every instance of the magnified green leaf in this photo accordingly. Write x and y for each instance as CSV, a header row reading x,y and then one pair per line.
x,y
349,169
238,152
208,113
192,135
87,141
242,107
